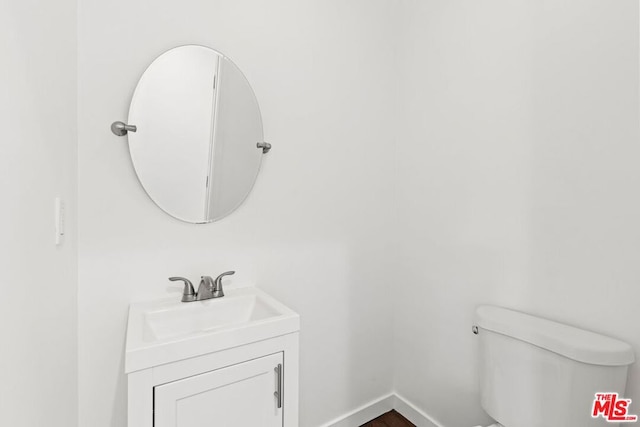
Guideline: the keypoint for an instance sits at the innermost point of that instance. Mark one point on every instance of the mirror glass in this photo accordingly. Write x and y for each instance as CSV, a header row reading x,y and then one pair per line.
x,y
198,125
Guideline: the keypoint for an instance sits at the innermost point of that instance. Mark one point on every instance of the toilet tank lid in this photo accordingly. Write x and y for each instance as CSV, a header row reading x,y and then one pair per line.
x,y
574,343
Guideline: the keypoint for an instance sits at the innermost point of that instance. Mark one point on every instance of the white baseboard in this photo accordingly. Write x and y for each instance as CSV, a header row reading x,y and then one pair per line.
x,y
364,413
380,406
412,413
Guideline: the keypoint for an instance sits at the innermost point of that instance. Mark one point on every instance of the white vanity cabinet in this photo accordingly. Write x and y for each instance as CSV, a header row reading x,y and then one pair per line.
x,y
242,395
236,374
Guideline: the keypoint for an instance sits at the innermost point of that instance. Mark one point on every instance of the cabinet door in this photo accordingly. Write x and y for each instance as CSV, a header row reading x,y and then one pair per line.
x,y
240,395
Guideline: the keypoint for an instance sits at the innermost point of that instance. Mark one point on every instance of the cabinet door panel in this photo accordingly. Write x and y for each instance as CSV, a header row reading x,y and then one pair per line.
x,y
241,395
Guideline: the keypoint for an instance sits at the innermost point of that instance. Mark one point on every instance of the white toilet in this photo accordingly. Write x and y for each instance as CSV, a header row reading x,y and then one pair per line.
x,y
539,373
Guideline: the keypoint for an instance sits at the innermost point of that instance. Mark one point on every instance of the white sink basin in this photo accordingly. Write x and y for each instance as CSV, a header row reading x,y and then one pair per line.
x,y
173,320
167,330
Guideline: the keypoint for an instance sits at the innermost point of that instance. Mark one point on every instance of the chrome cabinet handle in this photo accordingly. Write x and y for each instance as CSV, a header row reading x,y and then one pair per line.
x,y
278,392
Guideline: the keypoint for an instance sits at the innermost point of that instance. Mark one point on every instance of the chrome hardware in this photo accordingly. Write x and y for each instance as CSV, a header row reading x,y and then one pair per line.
x,y
188,294
474,329
121,129
278,392
265,146
217,285
208,288
205,290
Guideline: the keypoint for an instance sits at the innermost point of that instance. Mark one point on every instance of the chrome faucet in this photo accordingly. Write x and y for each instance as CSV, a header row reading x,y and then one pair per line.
x,y
208,288
189,294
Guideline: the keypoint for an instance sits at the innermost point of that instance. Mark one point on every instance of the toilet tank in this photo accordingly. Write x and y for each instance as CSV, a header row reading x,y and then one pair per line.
x,y
539,373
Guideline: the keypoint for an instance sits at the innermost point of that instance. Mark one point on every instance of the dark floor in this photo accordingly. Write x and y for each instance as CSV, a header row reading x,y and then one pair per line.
x,y
390,419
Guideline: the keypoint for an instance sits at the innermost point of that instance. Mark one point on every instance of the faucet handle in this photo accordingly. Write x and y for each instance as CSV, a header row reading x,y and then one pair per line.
x,y
226,273
217,288
188,294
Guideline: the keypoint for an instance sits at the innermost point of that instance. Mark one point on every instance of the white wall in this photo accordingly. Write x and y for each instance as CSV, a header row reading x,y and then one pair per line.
x,y
518,181
37,163
513,183
314,231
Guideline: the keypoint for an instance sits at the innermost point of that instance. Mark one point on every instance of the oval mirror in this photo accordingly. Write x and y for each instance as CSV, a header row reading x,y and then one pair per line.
x,y
197,147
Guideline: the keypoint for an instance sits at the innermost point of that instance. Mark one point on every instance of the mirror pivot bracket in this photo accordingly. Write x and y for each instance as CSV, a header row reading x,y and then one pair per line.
x,y
265,146
121,129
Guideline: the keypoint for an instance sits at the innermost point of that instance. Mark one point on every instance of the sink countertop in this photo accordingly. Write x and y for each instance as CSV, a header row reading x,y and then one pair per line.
x,y
167,330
